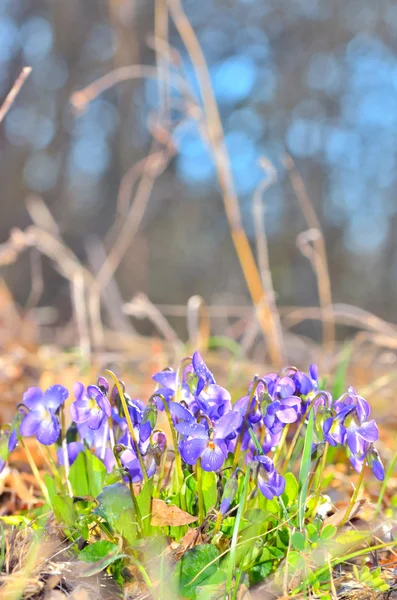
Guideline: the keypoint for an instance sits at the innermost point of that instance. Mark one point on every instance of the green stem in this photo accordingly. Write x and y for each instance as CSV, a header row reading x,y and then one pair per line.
x,y
318,490
218,523
295,438
64,443
199,475
178,458
354,497
338,561
232,556
241,434
35,472
136,507
281,444
179,376
129,422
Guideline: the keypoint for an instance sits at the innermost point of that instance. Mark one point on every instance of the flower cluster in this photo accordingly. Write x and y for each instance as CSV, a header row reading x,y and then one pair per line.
x,y
209,431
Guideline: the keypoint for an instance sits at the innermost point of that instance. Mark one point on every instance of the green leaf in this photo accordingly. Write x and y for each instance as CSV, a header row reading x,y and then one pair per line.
x,y
296,560
298,540
210,491
115,506
190,493
87,475
328,532
97,551
291,489
64,510
191,564
255,515
259,572
144,501
305,469
312,533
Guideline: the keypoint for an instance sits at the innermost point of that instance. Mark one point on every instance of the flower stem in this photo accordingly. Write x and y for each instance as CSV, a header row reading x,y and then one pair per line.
x,y
136,506
295,438
354,497
179,377
35,472
129,422
199,475
241,434
218,523
66,465
281,444
178,459
318,490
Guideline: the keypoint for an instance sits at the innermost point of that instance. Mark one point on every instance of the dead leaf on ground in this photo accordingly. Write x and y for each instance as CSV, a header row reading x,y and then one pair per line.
x,y
192,538
337,518
15,483
164,515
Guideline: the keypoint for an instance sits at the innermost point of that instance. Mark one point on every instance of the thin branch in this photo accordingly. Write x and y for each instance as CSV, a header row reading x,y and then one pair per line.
x,y
318,257
221,159
13,93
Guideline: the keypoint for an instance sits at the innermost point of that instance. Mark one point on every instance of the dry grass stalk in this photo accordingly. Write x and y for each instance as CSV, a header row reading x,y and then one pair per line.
x,y
316,254
231,205
13,93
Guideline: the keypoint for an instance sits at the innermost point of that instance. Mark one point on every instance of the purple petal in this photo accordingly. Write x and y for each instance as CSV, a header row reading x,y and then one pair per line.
x,y
285,387
313,372
49,430
192,449
31,423
201,369
287,415
33,398
179,411
353,441
55,396
363,409
227,424
195,430
267,463
12,441
264,488
74,449
78,390
303,383
277,483
378,470
214,456
369,431
104,404
96,419
166,379
80,410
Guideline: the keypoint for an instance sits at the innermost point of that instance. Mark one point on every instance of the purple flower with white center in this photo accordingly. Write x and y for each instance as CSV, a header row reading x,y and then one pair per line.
x,y
209,444
7,445
270,482
91,406
41,420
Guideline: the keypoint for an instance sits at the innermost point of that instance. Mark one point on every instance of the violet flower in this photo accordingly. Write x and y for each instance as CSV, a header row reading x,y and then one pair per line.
x,y
209,444
270,482
41,420
91,406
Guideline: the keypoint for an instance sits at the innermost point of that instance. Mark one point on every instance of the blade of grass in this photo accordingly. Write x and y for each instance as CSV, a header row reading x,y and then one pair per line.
x,y
231,567
305,469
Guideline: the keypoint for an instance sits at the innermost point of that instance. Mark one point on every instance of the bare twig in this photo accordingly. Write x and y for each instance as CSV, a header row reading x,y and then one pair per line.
x,y
221,158
13,93
318,255
262,247
198,323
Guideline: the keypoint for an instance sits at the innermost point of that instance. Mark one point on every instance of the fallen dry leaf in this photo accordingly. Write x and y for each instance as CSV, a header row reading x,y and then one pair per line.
x,y
164,515
337,518
192,538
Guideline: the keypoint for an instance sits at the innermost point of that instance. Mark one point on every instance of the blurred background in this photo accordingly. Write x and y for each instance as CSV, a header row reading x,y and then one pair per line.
x,y
314,78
